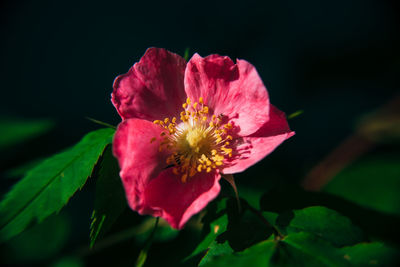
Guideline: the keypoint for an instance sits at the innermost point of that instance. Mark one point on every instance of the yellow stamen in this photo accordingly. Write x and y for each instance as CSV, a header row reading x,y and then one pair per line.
x,y
196,143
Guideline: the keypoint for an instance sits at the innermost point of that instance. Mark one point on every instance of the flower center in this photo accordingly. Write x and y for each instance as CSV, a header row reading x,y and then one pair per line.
x,y
199,142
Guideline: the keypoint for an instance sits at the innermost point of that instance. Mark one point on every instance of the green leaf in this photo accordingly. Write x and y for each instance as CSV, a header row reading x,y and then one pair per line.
x,y
371,254
15,131
312,250
245,227
227,229
68,262
372,182
323,222
110,199
377,224
297,249
49,186
216,222
215,249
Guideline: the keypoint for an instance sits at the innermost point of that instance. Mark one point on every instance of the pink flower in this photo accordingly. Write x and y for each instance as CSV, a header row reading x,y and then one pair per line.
x,y
185,124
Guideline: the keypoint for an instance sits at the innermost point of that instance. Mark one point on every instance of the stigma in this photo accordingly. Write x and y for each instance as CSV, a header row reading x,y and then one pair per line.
x,y
198,141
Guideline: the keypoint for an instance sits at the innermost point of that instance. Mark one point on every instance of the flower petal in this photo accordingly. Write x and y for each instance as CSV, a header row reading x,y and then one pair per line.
x,y
255,147
139,158
153,88
234,90
175,201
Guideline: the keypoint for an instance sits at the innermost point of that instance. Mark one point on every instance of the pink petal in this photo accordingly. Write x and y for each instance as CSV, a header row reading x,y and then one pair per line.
x,y
175,201
139,158
255,147
234,90
153,88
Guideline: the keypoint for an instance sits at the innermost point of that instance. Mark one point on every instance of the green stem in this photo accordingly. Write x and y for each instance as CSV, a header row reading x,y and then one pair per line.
x,y
229,178
143,253
101,123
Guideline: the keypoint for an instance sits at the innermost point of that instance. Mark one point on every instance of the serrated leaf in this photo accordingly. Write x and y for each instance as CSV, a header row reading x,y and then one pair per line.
x,y
110,199
323,222
14,131
376,224
371,254
299,249
372,182
49,186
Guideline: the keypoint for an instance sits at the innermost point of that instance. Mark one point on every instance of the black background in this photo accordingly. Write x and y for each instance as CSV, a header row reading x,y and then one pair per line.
x,y
336,60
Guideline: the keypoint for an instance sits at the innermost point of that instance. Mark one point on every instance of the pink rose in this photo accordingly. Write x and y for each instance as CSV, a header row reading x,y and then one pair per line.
x,y
186,124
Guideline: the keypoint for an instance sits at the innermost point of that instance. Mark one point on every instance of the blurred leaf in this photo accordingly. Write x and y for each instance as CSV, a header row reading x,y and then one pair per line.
x,y
14,131
322,222
110,199
186,54
48,187
373,182
22,170
371,254
140,261
40,242
68,262
164,231
251,195
215,223
295,114
297,249
245,227
270,217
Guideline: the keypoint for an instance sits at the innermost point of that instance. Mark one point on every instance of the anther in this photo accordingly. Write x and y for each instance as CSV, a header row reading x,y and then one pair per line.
x,y
184,178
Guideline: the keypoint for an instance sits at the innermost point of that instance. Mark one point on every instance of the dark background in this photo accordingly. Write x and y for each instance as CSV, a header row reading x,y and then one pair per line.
x,y
335,60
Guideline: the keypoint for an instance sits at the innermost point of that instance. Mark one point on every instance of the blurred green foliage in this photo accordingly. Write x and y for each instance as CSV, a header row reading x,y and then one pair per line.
x,y
16,131
372,182
40,242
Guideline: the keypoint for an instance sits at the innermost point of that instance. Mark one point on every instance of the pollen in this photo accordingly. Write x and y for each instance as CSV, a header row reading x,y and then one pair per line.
x,y
197,142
